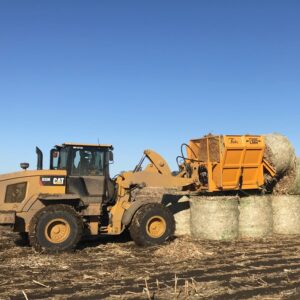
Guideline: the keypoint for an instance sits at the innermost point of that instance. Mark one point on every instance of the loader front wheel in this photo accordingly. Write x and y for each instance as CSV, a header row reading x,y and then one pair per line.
x,y
55,228
152,224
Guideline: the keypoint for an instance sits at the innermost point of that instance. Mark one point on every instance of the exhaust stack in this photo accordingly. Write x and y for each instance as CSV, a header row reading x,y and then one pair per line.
x,y
39,158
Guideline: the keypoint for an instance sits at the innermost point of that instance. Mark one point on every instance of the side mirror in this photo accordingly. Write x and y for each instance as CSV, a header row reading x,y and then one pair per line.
x,y
111,156
24,166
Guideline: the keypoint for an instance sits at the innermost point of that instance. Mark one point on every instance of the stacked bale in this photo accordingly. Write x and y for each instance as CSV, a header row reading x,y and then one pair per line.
x,y
256,219
281,155
286,214
294,185
214,218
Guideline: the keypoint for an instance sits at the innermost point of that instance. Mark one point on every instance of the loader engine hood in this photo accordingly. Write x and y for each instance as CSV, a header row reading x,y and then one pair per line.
x,y
19,188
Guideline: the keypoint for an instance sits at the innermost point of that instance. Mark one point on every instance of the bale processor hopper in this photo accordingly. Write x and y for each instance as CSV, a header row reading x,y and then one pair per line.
x,y
229,162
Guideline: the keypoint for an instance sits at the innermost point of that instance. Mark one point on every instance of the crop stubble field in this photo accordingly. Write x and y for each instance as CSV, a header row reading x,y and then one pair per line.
x,y
114,268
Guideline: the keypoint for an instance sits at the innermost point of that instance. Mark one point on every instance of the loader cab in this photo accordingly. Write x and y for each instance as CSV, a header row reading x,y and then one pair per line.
x,y
87,169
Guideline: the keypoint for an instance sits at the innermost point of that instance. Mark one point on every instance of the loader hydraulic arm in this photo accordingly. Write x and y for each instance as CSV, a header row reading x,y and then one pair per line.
x,y
158,163
157,173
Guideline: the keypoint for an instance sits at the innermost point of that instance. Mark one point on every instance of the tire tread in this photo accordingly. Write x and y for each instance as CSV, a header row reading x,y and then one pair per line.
x,y
137,231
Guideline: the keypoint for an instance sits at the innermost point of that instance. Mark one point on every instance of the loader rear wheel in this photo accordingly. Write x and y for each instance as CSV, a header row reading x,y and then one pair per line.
x,y
55,228
152,224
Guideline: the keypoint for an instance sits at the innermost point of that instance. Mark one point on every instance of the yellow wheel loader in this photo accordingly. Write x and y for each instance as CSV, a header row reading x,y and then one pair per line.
x,y
77,197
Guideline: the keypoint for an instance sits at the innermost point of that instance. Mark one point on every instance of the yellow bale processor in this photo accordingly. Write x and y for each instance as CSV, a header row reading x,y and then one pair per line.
x,y
230,162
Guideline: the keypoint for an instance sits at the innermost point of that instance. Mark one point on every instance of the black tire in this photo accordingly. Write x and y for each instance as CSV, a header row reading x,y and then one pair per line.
x,y
55,228
146,218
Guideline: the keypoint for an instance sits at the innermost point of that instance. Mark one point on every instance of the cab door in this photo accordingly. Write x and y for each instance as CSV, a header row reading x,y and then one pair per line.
x,y
87,174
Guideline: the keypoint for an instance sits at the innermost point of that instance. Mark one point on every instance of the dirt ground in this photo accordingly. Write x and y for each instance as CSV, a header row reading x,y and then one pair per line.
x,y
114,268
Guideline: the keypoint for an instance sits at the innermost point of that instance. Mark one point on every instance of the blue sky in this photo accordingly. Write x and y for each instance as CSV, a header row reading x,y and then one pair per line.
x,y
145,74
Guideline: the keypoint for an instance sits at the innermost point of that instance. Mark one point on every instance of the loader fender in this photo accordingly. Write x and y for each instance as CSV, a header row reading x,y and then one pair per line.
x,y
129,213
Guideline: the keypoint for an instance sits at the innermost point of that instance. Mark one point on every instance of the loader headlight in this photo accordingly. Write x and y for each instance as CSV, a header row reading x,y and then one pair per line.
x,y
15,193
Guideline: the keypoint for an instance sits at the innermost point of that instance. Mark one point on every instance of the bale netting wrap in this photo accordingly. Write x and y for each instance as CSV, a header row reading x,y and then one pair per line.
x,y
256,218
286,214
279,153
214,218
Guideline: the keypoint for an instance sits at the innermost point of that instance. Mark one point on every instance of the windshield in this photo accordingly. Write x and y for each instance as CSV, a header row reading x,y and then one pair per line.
x,y
87,162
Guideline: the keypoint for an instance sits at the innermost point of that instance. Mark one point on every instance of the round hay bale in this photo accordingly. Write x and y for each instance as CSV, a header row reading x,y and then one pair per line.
x,y
286,214
256,218
279,153
214,218
294,186
283,185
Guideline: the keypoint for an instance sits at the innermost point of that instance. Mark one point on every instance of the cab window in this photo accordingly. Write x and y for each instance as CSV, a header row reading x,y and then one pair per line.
x,y
54,159
63,159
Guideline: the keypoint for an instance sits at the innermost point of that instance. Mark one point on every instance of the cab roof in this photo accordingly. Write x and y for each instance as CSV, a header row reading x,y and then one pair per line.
x,y
85,145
